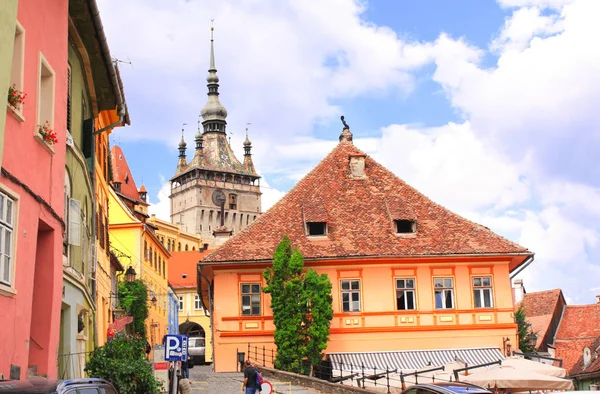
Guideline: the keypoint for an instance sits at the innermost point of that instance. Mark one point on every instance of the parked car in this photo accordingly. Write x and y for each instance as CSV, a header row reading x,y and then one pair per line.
x,y
197,349
45,386
446,388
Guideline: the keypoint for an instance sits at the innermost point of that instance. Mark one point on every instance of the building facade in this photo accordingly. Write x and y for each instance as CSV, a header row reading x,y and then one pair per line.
x,y
136,244
214,183
409,277
8,36
31,192
173,238
193,317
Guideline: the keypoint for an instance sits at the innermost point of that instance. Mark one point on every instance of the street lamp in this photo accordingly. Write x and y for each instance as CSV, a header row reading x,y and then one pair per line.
x,y
130,274
532,338
506,343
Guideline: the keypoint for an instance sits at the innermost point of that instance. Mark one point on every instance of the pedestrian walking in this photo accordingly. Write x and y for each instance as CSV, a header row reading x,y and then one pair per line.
x,y
249,378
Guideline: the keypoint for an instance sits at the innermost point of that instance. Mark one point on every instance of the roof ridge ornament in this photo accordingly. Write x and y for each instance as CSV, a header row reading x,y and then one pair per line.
x,y
346,134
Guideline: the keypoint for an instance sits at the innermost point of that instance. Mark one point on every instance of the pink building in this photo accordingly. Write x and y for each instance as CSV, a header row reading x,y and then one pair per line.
x,y
31,193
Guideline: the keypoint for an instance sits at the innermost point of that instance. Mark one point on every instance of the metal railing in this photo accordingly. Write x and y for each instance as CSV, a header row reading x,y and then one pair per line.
x,y
71,366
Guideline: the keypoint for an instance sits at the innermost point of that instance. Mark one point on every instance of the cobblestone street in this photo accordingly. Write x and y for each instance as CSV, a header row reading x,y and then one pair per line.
x,y
206,381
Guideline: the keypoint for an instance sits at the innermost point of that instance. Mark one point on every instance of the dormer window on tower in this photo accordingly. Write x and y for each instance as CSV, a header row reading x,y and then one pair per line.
x,y
316,229
405,226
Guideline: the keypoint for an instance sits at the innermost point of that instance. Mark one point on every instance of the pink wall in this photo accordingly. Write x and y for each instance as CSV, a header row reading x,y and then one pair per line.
x,y
34,311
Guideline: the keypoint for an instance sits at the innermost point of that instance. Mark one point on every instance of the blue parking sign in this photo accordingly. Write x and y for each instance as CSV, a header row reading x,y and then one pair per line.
x,y
176,347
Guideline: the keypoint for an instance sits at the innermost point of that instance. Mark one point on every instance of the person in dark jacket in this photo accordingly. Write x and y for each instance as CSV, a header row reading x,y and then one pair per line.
x,y
249,378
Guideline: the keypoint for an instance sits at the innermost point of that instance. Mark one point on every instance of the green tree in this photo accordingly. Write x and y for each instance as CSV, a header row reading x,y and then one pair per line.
x,y
523,330
122,362
302,312
133,299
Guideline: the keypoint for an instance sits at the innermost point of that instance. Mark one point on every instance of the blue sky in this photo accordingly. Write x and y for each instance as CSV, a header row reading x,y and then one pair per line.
x,y
488,107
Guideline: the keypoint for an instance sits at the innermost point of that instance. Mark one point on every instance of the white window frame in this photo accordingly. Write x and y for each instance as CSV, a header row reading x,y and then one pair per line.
x,y
74,222
479,291
181,303
251,297
7,227
406,290
47,88
197,303
351,291
18,64
443,290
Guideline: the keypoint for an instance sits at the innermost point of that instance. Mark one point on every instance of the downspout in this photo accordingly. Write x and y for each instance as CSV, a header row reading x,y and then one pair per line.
x,y
522,267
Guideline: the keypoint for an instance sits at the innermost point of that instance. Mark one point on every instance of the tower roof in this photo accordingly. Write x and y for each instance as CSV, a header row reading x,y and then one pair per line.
x,y
361,207
213,110
121,173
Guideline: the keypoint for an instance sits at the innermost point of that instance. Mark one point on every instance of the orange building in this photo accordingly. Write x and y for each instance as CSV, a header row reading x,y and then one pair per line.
x,y
410,278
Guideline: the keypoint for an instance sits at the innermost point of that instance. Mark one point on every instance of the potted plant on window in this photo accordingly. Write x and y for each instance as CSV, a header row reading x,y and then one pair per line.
x,y
48,135
16,98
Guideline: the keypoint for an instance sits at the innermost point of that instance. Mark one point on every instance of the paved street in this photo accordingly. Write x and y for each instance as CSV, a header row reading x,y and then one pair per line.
x,y
206,381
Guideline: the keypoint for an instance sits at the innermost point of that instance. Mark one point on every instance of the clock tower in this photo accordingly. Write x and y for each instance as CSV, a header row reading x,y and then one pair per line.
x,y
214,195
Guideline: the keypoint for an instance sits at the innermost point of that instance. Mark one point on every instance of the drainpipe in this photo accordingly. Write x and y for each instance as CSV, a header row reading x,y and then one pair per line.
x,y
523,266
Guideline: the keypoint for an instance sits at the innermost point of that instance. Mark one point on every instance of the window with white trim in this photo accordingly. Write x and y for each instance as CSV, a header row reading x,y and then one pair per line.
x,y
18,60
7,218
197,303
405,294
444,293
180,303
350,291
45,93
482,292
250,293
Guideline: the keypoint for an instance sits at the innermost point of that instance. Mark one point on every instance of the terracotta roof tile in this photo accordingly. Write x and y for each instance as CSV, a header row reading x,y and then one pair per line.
x,y
121,173
184,263
579,327
594,365
580,322
360,215
541,303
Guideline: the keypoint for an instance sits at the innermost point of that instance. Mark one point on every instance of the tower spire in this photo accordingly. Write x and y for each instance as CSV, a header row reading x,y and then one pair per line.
x,y
214,114
248,163
182,162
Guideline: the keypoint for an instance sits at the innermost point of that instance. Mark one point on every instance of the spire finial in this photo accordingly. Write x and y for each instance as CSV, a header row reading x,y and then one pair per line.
x,y
213,113
182,144
346,134
212,46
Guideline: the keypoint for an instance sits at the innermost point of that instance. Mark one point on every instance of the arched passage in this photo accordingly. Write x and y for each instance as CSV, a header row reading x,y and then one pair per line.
x,y
192,329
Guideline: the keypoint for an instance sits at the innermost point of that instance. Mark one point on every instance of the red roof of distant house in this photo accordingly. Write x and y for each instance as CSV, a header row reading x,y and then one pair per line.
x,y
182,267
121,173
360,216
594,365
539,309
579,327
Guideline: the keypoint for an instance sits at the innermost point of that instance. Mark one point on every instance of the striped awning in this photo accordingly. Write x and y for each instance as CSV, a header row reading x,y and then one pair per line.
x,y
412,359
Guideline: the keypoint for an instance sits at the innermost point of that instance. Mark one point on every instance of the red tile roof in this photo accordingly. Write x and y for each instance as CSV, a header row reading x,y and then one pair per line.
x,y
359,215
184,263
121,173
541,303
594,365
579,327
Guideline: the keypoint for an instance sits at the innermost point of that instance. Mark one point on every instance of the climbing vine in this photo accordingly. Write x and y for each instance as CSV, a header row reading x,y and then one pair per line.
x,y
133,299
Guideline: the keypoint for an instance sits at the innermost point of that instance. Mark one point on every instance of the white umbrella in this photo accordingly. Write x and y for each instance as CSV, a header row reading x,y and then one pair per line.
x,y
528,365
505,377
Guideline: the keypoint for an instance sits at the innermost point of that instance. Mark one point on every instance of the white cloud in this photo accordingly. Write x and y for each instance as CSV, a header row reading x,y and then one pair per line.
x,y
162,208
555,4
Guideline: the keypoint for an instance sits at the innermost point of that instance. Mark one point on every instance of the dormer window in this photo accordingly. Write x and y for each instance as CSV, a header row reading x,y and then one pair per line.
x,y
316,228
405,226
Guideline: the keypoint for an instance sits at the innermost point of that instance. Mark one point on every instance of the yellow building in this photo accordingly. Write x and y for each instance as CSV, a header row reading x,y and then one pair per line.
x,y
135,243
172,237
193,320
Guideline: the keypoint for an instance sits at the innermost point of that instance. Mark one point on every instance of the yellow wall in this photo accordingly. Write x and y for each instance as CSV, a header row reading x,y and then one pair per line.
x,y
378,326
134,239
189,312
173,238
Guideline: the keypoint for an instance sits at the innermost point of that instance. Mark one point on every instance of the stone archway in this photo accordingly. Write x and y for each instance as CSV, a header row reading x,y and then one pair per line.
x,y
192,329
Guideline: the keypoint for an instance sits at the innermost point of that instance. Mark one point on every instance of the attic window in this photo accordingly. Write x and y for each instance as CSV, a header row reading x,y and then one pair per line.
x,y
316,228
405,226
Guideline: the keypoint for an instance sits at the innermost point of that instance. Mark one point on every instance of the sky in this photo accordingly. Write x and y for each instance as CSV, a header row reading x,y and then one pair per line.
x,y
487,107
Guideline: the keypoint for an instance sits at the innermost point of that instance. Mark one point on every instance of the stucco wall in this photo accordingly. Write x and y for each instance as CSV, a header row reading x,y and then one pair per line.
x,y
8,18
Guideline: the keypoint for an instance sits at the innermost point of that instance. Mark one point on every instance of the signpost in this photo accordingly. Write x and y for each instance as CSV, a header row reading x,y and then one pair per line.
x,y
176,349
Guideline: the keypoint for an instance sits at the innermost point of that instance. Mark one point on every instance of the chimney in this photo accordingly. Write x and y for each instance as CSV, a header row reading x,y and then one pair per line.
x,y
598,297
518,290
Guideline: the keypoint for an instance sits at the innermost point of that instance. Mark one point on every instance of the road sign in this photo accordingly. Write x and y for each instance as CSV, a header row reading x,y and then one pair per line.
x,y
176,347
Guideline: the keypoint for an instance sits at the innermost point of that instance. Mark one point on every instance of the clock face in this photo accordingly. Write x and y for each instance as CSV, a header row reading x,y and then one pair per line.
x,y
218,197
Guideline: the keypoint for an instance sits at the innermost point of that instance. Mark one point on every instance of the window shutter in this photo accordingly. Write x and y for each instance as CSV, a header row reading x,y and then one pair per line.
x,y
88,138
74,222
